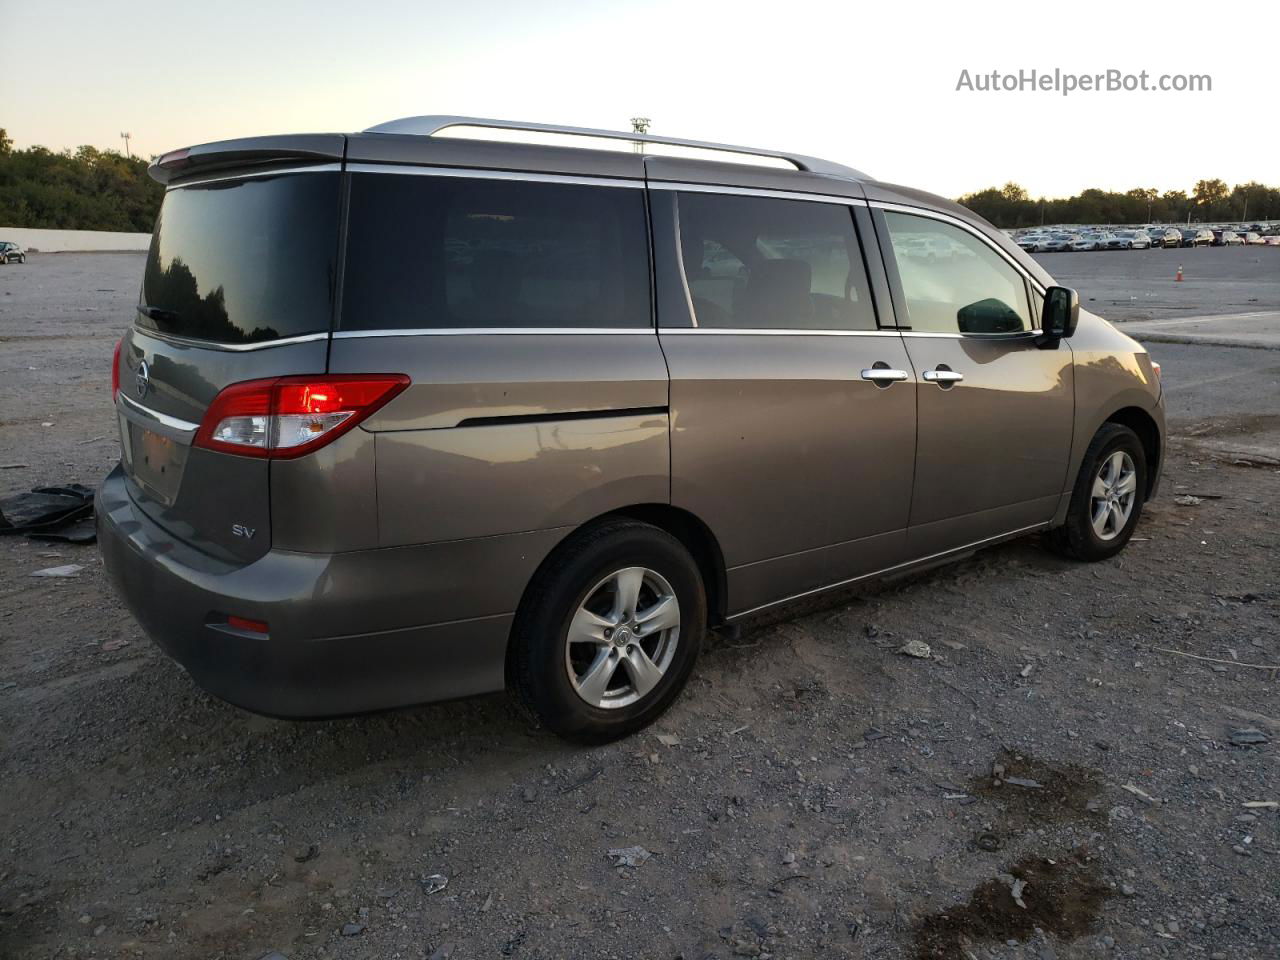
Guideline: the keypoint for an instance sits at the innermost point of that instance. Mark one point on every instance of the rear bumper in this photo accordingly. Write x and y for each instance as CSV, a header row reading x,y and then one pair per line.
x,y
348,633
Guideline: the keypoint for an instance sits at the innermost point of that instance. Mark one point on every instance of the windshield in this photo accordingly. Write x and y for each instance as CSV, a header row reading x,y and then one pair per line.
x,y
243,260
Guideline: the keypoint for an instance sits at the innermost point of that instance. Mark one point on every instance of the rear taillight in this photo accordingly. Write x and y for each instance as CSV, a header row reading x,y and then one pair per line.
x,y
1156,368
289,416
115,370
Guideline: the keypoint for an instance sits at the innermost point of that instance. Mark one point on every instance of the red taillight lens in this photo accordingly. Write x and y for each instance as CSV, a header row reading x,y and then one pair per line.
x,y
289,416
115,370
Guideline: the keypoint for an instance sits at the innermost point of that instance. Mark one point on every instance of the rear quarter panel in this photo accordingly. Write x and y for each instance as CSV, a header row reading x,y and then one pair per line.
x,y
513,432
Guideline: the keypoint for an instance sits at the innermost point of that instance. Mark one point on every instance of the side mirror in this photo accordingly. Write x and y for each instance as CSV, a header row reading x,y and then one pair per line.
x,y
1061,312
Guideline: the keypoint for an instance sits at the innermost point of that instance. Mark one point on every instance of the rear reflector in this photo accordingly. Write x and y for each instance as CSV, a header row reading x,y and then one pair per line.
x,y
115,370
290,416
243,623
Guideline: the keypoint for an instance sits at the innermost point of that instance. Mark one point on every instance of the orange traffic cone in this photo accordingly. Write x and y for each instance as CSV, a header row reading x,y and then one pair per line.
x,y
1178,278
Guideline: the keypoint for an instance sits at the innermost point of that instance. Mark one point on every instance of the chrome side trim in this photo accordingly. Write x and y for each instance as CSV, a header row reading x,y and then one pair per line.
x,y
880,573
926,334
754,192
684,279
473,173
597,331
753,332
249,174
957,222
491,331
155,416
231,347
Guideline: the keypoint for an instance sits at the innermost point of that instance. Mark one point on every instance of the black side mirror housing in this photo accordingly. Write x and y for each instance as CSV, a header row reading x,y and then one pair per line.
x,y
1061,312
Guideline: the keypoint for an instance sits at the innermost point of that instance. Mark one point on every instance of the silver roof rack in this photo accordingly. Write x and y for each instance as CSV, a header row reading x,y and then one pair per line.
x,y
430,126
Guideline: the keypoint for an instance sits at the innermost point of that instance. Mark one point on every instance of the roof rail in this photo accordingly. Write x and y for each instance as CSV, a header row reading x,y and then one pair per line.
x,y
430,126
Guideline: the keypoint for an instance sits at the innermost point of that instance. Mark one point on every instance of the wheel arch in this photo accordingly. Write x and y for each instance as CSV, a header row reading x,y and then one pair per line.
x,y
1144,425
698,539
686,527
694,535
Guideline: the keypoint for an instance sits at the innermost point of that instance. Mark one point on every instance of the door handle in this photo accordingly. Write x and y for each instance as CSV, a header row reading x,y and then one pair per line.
x,y
942,376
884,375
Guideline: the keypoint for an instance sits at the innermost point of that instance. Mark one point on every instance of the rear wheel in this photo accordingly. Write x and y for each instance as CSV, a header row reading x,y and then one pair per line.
x,y
1107,499
609,631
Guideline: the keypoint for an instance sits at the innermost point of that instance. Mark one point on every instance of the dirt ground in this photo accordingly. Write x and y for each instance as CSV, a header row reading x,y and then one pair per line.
x,y
1054,781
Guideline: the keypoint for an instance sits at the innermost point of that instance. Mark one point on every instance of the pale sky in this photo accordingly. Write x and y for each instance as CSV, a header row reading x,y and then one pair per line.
x,y
869,85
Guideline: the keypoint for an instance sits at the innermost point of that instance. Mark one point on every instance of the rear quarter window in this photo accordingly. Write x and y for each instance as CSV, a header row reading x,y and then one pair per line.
x,y
244,260
438,252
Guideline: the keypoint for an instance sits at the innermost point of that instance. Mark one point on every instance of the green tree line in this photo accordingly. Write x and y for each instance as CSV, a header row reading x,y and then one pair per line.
x,y
1212,201
81,189
91,189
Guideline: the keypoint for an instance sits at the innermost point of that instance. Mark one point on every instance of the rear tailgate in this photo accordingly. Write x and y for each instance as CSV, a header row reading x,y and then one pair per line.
x,y
217,501
239,285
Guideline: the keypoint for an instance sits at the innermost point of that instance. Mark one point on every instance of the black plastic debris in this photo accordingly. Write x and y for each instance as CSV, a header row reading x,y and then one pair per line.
x,y
64,514
1248,737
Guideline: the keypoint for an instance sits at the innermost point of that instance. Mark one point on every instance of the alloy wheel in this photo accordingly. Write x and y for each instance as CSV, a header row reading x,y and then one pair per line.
x,y
622,638
1115,489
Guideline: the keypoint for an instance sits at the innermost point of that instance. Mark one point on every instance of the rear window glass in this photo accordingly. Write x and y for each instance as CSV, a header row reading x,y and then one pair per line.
x,y
244,261
431,252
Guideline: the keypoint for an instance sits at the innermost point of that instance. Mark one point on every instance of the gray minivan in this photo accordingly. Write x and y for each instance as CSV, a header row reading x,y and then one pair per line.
x,y
408,416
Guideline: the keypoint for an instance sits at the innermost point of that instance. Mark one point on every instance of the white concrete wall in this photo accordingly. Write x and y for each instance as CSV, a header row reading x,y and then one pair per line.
x,y
65,241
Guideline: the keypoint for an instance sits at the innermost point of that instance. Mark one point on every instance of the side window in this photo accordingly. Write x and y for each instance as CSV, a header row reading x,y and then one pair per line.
x,y
953,282
436,252
760,263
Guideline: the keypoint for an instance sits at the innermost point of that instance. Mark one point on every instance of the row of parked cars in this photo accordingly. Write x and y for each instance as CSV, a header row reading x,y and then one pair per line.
x,y
1060,241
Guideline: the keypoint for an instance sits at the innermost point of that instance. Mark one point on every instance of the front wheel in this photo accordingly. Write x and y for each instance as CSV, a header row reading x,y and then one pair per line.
x,y
608,632
1107,499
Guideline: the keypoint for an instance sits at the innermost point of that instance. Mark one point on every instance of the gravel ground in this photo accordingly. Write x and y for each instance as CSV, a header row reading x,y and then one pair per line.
x,y
1051,782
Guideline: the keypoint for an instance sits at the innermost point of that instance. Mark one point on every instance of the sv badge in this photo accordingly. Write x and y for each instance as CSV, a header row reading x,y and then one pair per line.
x,y
240,530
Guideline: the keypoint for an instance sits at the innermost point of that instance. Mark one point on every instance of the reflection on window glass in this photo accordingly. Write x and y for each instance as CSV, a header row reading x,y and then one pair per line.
x,y
953,282
760,263
241,261
433,252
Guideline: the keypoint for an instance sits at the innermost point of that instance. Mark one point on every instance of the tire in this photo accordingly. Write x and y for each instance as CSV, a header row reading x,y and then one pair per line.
x,y
1079,537
578,587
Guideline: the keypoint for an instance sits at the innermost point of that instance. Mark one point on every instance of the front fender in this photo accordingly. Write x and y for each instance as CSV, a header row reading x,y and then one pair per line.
x,y
1113,374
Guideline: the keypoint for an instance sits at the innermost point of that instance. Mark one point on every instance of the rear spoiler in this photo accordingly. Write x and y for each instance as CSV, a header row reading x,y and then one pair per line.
x,y
291,149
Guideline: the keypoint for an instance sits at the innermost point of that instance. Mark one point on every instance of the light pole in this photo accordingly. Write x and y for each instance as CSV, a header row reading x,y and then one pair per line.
x,y
125,137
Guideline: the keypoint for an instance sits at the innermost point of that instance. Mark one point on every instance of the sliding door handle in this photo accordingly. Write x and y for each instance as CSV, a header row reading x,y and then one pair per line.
x,y
942,376
884,375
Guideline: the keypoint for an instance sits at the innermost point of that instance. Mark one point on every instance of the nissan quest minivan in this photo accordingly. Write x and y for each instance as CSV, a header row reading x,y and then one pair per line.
x,y
408,416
